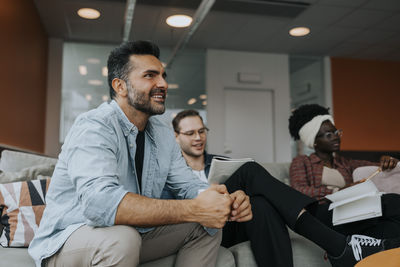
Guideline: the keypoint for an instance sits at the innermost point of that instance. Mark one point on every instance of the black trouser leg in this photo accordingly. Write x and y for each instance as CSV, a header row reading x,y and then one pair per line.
x,y
286,203
267,233
255,180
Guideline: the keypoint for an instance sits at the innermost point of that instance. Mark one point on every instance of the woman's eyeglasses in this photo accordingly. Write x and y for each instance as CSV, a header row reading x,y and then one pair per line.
x,y
330,135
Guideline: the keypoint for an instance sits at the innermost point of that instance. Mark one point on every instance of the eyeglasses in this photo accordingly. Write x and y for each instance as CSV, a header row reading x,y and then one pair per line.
x,y
202,132
330,135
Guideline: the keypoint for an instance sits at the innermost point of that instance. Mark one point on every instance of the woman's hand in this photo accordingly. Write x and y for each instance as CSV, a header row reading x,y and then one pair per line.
x,y
388,162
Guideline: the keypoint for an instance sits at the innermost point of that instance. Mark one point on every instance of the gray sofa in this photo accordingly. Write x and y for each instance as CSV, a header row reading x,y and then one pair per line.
x,y
305,253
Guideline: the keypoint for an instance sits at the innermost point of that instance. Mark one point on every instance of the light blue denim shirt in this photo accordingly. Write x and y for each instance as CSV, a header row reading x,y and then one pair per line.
x,y
96,168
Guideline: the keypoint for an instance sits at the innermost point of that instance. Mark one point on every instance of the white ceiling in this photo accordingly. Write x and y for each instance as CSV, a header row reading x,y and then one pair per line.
x,y
367,29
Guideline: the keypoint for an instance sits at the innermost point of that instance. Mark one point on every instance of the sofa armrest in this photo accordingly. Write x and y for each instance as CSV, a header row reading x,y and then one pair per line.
x,y
278,170
14,161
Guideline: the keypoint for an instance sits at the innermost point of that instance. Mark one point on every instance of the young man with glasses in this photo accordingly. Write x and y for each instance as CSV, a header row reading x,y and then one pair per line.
x,y
275,206
191,135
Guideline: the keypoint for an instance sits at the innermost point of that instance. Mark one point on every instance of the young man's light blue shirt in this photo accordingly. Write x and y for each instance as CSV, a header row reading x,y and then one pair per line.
x,y
96,168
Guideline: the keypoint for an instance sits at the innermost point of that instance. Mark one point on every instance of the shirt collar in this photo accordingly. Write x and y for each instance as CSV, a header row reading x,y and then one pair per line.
x,y
336,159
207,158
314,158
123,120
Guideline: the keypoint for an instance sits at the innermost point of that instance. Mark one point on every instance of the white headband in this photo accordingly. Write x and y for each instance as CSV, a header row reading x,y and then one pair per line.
x,y
309,130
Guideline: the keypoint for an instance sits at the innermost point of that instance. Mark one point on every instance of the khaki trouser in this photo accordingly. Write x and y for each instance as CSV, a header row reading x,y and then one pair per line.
x,y
122,245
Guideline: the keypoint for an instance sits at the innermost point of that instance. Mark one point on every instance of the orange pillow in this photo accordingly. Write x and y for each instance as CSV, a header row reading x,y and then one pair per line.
x,y
387,258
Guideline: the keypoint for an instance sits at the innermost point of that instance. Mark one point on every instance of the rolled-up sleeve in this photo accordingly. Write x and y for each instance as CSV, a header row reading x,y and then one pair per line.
x,y
93,170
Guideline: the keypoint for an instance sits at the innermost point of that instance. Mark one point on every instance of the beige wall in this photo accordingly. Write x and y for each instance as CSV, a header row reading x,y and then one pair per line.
x,y
222,68
366,103
23,70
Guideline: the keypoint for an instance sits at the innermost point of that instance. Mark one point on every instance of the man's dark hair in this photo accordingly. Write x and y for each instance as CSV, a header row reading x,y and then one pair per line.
x,y
118,63
302,115
183,114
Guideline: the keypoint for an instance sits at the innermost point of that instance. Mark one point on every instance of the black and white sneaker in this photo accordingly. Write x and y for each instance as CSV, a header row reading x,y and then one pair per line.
x,y
357,248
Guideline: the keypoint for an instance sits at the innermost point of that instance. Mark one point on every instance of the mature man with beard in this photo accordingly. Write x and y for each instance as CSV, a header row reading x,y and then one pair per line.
x,y
103,203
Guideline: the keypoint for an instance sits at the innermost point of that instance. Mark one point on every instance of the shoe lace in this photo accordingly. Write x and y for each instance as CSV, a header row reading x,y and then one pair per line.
x,y
361,240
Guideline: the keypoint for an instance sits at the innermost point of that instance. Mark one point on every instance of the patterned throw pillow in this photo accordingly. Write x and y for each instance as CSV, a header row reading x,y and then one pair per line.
x,y
22,206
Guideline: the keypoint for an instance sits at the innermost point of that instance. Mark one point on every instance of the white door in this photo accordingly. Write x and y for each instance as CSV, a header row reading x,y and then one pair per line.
x,y
249,124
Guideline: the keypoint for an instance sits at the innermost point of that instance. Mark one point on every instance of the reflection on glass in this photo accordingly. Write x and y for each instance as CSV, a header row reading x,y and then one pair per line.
x,y
192,101
306,87
104,71
82,70
83,90
95,82
173,86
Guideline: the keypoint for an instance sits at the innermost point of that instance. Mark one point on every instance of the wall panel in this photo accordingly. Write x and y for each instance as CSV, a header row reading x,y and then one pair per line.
x,y
366,103
23,49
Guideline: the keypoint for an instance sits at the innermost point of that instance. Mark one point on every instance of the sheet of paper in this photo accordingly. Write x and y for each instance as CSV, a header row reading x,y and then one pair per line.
x,y
222,168
362,209
355,203
353,191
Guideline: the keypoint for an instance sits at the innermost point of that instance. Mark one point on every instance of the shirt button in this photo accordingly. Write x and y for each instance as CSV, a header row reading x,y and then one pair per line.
x,y
130,145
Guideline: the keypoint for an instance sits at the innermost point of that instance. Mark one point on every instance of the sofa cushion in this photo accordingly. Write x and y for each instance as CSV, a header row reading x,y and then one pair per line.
x,y
243,255
30,173
13,161
305,253
278,170
17,257
23,205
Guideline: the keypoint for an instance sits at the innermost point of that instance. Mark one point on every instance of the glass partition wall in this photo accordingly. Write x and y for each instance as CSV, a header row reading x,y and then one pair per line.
x,y
84,81
307,86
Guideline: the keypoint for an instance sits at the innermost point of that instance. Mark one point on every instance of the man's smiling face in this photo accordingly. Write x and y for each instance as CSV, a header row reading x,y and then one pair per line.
x,y
192,136
146,84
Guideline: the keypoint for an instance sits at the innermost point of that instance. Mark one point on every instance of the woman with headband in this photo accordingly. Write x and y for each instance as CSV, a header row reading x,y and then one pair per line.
x,y
323,172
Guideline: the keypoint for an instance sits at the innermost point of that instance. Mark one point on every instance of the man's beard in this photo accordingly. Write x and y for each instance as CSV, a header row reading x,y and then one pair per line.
x,y
142,102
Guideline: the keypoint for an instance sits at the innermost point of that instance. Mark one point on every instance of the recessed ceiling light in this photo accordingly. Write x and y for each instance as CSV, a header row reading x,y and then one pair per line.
x,y
179,21
299,31
88,13
203,97
93,60
95,82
